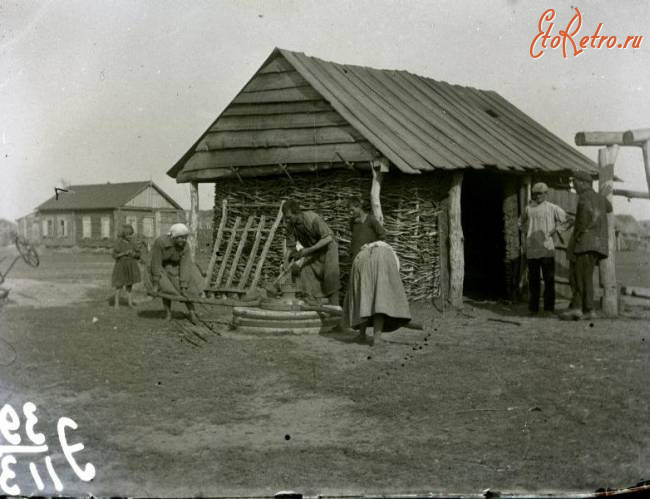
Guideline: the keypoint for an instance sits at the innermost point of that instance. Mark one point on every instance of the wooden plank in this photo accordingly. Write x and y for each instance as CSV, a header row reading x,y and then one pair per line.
x,y
217,243
344,103
631,194
441,119
541,152
267,246
475,123
279,138
278,121
194,217
426,140
636,137
379,119
311,106
568,153
212,174
456,247
240,248
275,81
253,254
277,65
276,155
226,256
555,154
607,266
599,138
645,150
282,95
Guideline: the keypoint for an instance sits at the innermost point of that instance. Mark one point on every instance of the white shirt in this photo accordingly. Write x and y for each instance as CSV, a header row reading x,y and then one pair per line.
x,y
542,220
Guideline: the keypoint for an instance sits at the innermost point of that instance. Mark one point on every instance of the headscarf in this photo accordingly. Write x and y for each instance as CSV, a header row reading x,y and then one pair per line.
x,y
178,230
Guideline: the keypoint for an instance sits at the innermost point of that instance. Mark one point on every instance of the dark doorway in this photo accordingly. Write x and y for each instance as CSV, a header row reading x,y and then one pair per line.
x,y
483,230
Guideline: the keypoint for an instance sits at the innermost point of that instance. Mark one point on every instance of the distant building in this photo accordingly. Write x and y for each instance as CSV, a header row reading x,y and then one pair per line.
x,y
629,234
7,232
91,215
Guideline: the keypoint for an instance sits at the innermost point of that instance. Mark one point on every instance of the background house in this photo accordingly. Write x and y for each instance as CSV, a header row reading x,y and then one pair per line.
x,y
629,233
91,215
7,232
450,167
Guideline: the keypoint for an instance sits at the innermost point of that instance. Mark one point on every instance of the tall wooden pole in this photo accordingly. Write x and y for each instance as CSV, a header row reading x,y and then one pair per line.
x,y
606,160
456,244
378,167
194,216
645,149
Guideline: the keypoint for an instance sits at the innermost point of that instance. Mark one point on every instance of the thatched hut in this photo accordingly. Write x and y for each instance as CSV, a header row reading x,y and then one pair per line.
x,y
448,167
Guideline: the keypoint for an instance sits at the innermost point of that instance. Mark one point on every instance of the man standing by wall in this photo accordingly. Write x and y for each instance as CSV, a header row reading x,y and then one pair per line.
x,y
589,245
540,222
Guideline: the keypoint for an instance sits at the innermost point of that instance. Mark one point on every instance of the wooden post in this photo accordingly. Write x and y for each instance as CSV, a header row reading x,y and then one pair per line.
x,y
524,200
645,149
194,217
378,168
606,160
456,245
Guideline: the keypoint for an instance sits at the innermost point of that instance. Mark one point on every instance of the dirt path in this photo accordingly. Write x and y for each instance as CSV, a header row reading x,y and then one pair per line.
x,y
482,398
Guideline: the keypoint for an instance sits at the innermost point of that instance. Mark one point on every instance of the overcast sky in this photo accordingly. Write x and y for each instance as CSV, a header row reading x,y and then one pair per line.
x,y
97,91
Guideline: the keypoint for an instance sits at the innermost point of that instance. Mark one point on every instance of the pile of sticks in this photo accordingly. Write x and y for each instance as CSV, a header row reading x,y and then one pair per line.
x,y
410,206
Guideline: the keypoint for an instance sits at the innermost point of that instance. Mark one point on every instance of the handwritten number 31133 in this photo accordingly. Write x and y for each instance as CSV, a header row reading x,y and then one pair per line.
x,y
10,423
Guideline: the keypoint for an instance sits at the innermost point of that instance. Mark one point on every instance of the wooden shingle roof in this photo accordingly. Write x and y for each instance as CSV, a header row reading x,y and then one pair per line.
x,y
299,109
99,196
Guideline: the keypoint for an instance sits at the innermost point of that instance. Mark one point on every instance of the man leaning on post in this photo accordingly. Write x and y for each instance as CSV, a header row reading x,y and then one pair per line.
x,y
589,245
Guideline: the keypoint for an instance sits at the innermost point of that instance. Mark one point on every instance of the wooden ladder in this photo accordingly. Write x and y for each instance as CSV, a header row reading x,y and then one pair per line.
x,y
221,281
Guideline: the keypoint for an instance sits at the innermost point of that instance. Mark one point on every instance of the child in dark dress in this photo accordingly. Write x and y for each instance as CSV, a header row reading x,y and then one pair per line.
x,y
126,271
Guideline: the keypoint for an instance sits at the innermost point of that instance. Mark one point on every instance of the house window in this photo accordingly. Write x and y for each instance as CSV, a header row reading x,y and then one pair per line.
x,y
63,227
132,220
106,227
147,227
86,227
48,228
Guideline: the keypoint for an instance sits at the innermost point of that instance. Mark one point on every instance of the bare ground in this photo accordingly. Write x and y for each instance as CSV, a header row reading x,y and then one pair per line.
x,y
482,398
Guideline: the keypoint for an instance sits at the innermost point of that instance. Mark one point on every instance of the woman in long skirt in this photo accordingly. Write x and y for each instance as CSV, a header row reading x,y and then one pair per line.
x,y
375,295
126,271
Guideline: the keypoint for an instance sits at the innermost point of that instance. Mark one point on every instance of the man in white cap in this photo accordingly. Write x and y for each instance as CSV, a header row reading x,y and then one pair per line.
x,y
540,222
172,270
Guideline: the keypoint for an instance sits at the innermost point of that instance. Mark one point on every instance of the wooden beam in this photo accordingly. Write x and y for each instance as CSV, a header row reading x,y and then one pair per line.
x,y
282,137
456,245
275,155
599,138
194,217
212,174
275,81
284,95
634,137
255,123
631,194
277,108
217,243
378,168
645,150
609,300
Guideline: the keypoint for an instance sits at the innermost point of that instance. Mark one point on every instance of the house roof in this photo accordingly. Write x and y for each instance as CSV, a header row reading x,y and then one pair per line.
x,y
99,196
421,124
627,224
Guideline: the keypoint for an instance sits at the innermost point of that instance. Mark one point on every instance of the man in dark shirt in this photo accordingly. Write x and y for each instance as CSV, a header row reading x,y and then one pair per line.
x,y
589,245
319,272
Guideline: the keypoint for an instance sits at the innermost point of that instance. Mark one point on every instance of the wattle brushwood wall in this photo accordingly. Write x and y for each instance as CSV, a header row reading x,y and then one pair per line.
x,y
414,208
